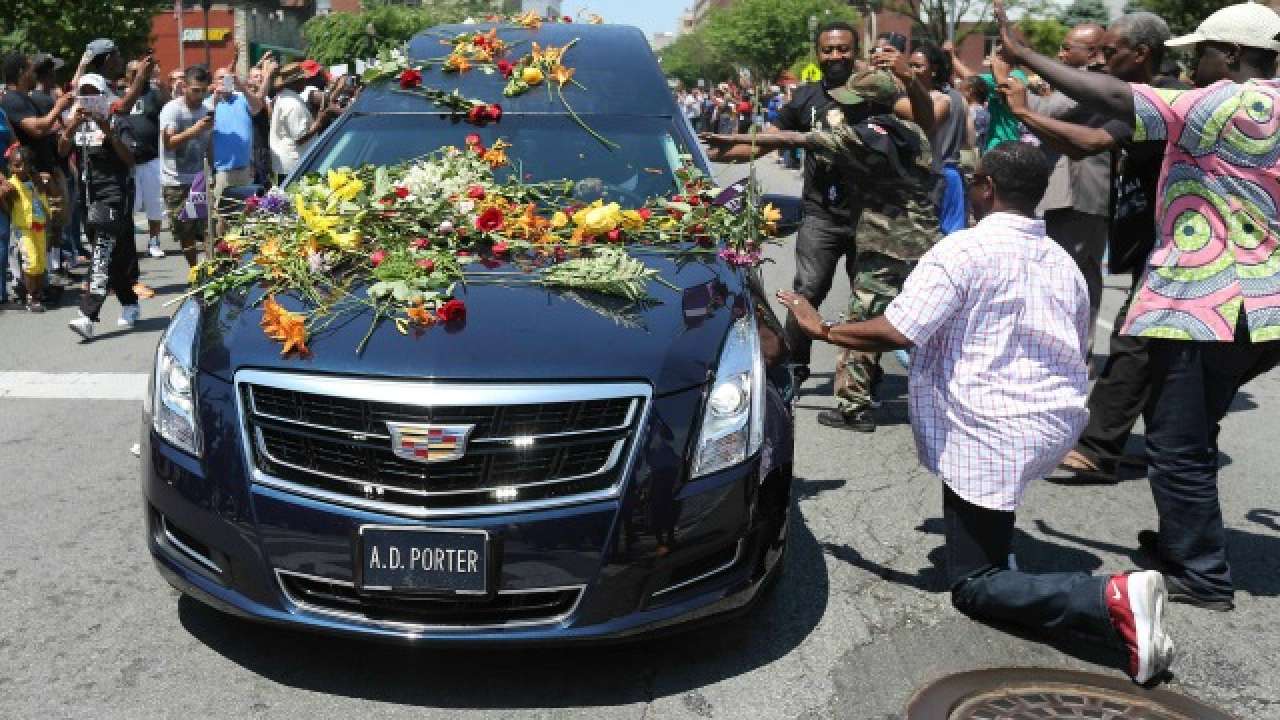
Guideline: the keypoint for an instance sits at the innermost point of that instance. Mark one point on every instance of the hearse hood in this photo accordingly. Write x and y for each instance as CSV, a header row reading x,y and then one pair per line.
x,y
512,332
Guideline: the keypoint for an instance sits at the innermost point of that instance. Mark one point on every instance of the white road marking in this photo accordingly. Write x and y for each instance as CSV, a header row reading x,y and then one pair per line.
x,y
73,385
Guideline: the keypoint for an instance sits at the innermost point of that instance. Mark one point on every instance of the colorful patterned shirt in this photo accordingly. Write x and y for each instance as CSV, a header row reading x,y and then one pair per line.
x,y
1217,205
998,314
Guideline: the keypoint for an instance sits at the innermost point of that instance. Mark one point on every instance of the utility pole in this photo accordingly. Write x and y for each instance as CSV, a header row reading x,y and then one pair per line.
x,y
178,14
208,58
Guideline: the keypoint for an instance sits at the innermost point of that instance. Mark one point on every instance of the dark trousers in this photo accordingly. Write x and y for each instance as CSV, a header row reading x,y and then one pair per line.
x,y
820,244
983,586
114,269
1118,396
1192,386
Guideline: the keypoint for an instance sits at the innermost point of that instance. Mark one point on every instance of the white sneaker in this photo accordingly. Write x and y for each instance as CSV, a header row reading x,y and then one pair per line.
x,y
153,248
129,315
82,326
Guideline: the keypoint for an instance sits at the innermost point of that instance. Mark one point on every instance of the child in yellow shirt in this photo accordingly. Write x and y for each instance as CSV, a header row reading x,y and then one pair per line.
x,y
26,200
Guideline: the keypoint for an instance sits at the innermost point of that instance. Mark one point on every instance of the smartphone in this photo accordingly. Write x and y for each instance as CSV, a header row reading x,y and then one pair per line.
x,y
228,83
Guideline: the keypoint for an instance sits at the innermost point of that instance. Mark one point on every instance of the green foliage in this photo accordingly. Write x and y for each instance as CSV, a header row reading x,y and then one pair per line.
x,y
64,27
1086,11
1045,35
1182,15
343,37
767,36
692,57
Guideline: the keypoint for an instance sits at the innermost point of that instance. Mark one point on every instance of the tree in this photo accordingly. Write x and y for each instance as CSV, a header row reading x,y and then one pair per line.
x,y
1086,11
940,20
1182,15
64,27
343,37
692,57
766,36
1044,34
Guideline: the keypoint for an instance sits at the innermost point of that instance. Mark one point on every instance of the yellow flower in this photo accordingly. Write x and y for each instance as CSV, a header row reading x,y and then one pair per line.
x,y
529,19
559,220
552,54
531,76
349,241
632,220
315,220
770,213
344,185
598,218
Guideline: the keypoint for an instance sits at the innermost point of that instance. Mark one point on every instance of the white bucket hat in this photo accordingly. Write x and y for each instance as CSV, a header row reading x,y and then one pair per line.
x,y
1247,24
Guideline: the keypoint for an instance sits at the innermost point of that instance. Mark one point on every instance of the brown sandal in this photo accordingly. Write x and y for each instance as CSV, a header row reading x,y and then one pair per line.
x,y
143,291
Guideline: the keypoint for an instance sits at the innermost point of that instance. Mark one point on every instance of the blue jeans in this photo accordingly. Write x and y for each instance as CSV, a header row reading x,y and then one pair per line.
x,y
953,211
1192,386
983,586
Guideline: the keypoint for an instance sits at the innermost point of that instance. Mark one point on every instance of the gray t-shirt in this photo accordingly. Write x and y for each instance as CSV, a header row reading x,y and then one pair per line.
x,y
180,165
948,137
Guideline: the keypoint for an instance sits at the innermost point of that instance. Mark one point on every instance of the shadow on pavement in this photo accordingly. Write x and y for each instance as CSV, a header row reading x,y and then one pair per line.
x,y
1254,557
503,677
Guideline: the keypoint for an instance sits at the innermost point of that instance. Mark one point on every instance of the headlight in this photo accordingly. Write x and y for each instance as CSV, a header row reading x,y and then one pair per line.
x,y
733,424
173,401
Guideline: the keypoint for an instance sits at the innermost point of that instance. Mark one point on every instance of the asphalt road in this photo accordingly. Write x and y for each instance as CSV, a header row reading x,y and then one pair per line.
x,y
859,623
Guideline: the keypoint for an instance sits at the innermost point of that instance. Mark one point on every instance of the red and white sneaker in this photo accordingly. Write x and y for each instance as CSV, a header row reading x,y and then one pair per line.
x,y
1136,603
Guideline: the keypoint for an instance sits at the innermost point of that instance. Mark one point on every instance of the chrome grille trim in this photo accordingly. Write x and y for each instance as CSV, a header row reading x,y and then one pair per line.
x,y
187,550
421,627
608,465
631,414
430,392
737,555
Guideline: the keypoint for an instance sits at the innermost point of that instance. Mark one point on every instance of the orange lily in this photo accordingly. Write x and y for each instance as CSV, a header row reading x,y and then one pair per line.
x,y
286,327
561,74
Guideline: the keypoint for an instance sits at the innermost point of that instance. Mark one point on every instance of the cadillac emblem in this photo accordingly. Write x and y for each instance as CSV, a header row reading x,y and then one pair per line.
x,y
429,443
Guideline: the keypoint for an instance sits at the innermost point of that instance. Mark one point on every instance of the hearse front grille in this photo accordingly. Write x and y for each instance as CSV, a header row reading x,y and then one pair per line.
x,y
526,444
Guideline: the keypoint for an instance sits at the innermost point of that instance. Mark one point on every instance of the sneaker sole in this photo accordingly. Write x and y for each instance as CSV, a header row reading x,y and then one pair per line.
x,y
1155,647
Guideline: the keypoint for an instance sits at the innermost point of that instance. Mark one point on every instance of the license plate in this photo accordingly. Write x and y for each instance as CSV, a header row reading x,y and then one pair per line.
x,y
425,560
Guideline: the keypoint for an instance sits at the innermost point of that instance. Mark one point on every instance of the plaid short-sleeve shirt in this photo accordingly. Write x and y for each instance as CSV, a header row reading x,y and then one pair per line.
x,y
998,315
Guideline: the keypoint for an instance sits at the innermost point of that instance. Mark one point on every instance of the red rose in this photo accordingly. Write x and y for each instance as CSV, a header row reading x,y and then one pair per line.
x,y
377,257
675,214
479,40
402,192
386,201
614,235
410,78
473,139
505,67
493,112
224,248
427,264
644,213
453,311
499,248
475,192
476,116
420,243
490,220
677,198
694,200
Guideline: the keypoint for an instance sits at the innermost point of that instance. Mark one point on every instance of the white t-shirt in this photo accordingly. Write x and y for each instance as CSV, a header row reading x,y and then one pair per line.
x,y
290,118
181,165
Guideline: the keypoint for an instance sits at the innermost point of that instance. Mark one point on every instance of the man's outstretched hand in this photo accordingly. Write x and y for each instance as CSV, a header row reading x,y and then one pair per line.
x,y
806,315
1012,46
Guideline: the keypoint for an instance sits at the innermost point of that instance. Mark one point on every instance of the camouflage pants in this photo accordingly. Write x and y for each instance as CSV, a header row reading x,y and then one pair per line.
x,y
878,282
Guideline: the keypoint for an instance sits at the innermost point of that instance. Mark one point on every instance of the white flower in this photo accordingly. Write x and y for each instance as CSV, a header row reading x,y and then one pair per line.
x,y
445,228
466,206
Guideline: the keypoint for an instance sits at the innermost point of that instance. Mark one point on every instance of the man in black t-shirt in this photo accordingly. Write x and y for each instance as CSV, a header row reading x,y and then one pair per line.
x,y
1133,47
143,119
107,149
828,230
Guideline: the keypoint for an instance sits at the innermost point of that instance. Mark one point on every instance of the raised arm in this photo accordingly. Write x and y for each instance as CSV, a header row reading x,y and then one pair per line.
x,y
736,148
959,69
1074,141
1106,94
918,107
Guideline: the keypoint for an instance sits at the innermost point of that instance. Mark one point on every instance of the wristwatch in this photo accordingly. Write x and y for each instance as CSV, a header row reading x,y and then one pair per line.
x,y
826,329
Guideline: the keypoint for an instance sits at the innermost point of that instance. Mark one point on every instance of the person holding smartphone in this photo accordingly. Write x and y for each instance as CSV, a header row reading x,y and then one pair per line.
x,y
234,107
185,129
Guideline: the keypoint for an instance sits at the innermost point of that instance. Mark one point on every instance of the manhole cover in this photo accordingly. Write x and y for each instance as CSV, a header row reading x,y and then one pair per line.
x,y
1036,694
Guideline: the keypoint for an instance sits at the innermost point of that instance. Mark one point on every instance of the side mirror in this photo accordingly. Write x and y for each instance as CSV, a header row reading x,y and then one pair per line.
x,y
792,209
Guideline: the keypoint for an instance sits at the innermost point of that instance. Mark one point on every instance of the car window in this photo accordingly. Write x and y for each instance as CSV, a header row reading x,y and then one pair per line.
x,y
543,147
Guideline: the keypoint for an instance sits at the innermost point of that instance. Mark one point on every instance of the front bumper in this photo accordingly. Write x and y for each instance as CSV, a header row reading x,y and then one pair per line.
x,y
667,552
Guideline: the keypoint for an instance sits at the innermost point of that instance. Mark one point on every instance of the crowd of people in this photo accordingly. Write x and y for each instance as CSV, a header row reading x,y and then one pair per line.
x,y
81,157
989,275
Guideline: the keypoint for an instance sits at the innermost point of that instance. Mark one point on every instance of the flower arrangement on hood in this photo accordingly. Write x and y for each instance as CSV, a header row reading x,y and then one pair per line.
x,y
396,242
